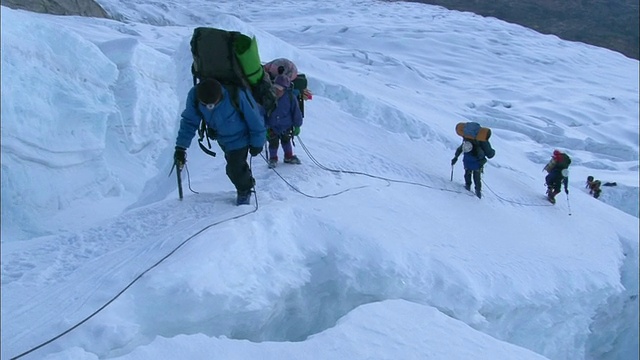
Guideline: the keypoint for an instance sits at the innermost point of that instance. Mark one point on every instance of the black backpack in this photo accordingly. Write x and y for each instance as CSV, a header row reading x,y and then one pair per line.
x,y
232,59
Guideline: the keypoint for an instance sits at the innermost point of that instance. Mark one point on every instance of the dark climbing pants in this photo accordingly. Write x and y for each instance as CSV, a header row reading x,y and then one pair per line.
x,y
554,181
238,169
476,175
274,142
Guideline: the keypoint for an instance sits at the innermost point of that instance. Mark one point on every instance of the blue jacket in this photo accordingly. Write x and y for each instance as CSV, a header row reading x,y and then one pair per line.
x,y
233,133
286,115
477,157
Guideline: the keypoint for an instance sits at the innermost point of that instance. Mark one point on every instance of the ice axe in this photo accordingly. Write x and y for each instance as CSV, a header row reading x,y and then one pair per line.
x,y
178,167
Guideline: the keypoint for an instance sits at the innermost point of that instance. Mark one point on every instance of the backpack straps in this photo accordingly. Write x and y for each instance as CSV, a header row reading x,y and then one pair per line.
x,y
234,92
203,130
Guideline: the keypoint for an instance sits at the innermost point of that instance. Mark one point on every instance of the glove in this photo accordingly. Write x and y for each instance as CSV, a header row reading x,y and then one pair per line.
x,y
255,150
296,130
566,191
454,161
180,156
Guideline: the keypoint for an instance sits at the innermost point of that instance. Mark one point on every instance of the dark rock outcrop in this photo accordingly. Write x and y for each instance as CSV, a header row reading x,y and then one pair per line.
x,y
611,24
59,7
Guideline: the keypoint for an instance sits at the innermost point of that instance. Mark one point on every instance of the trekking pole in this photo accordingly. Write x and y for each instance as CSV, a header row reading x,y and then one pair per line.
x,y
568,204
265,156
451,173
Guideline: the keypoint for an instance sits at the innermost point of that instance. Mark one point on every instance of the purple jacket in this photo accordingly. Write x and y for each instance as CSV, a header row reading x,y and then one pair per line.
x,y
286,115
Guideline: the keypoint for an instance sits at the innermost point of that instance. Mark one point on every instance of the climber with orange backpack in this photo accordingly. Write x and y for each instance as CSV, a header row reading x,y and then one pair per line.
x,y
477,149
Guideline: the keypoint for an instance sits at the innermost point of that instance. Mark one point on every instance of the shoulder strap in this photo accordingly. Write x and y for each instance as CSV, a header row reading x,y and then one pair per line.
x,y
234,92
203,131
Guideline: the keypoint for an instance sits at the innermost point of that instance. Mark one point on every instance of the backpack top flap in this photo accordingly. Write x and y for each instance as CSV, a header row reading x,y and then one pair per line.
x,y
214,56
473,131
